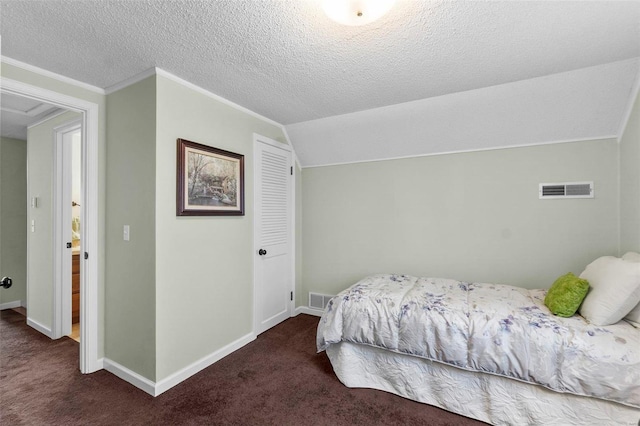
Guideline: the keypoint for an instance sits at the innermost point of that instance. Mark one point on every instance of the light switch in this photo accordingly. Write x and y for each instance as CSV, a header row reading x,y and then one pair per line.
x,y
125,232
33,226
34,202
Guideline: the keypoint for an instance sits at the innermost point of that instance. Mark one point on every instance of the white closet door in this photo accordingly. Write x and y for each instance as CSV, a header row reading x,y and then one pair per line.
x,y
273,231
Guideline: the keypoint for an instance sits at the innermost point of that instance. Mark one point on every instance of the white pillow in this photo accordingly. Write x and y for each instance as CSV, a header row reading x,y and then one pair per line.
x,y
633,316
615,290
631,256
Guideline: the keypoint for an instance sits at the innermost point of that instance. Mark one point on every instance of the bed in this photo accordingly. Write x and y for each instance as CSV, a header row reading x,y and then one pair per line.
x,y
487,351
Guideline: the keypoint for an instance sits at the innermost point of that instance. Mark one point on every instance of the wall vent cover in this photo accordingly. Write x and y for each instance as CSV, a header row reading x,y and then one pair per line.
x,y
319,301
566,190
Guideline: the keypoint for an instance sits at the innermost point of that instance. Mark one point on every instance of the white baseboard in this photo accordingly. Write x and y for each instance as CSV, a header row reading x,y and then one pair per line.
x,y
39,327
156,388
11,305
130,376
181,375
307,310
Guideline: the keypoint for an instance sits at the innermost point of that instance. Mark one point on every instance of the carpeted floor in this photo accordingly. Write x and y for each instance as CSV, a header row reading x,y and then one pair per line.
x,y
276,380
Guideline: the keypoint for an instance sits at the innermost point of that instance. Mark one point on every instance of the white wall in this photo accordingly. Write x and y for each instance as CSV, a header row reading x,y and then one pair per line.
x,y
472,216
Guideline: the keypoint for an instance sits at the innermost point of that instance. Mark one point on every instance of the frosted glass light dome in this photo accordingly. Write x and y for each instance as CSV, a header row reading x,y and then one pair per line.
x,y
356,12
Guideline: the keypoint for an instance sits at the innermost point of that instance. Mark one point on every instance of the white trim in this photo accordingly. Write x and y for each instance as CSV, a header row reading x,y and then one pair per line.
x,y
39,327
159,71
47,118
130,81
619,195
100,363
635,89
212,95
89,221
272,142
49,74
258,139
292,243
156,388
293,150
89,211
204,362
307,310
129,376
11,305
61,215
464,151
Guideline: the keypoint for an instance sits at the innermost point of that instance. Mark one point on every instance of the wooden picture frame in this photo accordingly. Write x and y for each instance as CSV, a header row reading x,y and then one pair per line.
x,y
210,181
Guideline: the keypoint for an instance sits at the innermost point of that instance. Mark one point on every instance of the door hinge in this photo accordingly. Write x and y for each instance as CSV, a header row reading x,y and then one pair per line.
x,y
292,296
291,170
86,255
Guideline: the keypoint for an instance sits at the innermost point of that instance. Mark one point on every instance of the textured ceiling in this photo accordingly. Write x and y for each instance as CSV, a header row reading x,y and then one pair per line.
x,y
287,61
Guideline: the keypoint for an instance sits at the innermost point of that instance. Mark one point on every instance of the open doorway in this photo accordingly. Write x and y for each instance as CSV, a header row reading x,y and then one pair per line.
x,y
76,197
48,139
67,209
45,311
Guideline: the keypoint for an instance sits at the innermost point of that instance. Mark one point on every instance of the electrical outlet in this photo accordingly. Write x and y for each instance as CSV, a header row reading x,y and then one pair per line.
x,y
125,233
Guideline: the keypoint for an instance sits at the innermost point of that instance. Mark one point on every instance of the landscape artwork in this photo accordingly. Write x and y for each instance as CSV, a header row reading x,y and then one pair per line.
x,y
210,181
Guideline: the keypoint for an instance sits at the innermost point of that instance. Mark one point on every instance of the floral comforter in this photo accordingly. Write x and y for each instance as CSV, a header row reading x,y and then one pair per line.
x,y
490,328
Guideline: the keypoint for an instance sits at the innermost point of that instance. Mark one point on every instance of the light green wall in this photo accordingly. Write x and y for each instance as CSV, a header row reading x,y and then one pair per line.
x,y
130,300
13,218
204,272
28,77
470,216
630,183
40,160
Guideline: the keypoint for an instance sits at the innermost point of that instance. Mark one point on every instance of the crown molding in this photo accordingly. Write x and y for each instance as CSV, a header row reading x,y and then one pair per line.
x,y
52,75
130,81
139,77
159,71
212,95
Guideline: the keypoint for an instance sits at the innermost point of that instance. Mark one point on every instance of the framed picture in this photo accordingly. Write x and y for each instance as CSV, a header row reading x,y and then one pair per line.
x,y
210,181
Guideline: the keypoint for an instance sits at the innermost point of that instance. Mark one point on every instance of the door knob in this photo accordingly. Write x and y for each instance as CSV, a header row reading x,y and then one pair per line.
x,y
262,252
6,282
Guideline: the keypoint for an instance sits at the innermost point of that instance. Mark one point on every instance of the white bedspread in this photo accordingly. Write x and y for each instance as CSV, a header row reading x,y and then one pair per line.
x,y
488,328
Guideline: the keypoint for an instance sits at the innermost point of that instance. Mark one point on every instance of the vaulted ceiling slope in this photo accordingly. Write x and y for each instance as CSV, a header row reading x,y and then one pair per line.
x,y
585,104
287,61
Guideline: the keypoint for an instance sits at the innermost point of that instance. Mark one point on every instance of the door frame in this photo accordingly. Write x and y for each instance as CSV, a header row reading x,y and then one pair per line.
x,y
257,139
89,361
62,172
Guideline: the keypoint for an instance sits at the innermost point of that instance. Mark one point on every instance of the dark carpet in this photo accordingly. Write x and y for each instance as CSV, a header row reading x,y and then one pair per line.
x,y
276,380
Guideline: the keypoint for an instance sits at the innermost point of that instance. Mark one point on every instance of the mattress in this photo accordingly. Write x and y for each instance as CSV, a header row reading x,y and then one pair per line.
x,y
492,329
493,399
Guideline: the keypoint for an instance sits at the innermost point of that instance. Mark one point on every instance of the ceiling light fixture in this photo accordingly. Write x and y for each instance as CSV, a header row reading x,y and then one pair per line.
x,y
356,12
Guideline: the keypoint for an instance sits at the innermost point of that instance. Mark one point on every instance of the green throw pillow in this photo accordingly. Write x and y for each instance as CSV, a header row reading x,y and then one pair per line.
x,y
566,294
